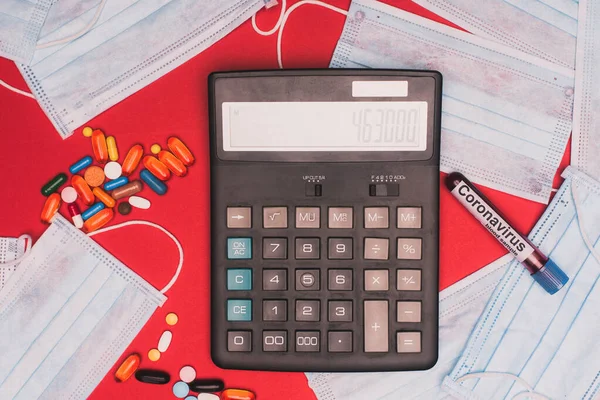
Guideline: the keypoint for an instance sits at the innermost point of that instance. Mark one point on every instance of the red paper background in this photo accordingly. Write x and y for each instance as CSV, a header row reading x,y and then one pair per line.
x,y
32,152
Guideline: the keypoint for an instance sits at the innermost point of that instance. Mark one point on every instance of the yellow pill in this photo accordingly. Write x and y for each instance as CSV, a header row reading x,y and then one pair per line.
x,y
154,355
113,152
155,148
172,319
87,131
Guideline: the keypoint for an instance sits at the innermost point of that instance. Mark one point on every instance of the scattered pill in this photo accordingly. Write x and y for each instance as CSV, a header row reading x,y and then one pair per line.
x,y
237,394
53,185
104,197
191,398
75,214
165,341
187,374
83,190
132,159
113,151
127,368
171,318
139,202
94,176
112,170
152,376
81,164
206,385
155,148
173,163
50,208
93,210
153,182
180,150
154,355
68,195
87,131
99,220
181,390
207,396
127,190
99,146
116,183
157,168
124,208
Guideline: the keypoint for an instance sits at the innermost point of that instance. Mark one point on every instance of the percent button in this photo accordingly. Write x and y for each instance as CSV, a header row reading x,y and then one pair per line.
x,y
409,248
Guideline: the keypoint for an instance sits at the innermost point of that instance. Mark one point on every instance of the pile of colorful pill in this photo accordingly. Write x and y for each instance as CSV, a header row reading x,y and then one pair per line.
x,y
88,181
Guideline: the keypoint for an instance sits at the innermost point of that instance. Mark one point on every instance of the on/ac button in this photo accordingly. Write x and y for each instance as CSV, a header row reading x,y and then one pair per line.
x,y
313,190
384,190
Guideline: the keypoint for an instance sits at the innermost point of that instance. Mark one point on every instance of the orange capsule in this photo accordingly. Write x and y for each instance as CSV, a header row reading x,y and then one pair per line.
x,y
99,220
51,206
128,368
237,394
180,150
99,146
104,197
172,162
132,159
83,190
157,168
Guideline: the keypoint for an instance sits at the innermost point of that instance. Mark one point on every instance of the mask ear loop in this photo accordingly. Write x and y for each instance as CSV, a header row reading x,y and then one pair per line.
x,y
530,394
28,243
584,235
284,15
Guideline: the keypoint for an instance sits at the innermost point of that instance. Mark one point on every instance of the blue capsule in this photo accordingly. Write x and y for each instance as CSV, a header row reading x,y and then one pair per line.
x,y
153,182
93,210
116,183
81,164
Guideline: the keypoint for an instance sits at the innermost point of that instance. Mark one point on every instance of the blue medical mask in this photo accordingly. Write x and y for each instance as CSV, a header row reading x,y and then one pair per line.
x,y
132,44
20,24
549,342
586,121
543,28
67,314
12,251
460,307
506,115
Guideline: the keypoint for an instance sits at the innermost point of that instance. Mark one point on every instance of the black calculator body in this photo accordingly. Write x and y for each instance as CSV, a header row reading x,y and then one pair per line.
x,y
325,203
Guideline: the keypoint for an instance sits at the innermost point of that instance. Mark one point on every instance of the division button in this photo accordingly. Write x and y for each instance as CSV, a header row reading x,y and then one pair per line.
x,y
408,342
376,326
376,249
339,341
239,217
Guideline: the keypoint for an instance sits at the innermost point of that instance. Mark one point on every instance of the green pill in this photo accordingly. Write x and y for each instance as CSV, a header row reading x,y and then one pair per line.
x,y
54,184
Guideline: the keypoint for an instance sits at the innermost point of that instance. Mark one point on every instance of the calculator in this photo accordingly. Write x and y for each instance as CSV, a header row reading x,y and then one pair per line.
x,y
324,219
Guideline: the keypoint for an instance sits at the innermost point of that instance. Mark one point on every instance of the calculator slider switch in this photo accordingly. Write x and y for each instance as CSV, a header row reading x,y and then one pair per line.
x,y
313,190
384,190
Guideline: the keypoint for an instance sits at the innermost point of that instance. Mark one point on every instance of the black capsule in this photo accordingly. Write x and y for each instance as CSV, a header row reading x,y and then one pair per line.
x,y
152,376
207,385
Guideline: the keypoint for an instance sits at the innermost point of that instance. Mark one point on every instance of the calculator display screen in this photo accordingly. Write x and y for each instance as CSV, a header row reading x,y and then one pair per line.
x,y
325,126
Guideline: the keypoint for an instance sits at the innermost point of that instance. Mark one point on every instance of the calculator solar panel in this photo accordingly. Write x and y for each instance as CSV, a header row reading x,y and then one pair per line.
x,y
324,219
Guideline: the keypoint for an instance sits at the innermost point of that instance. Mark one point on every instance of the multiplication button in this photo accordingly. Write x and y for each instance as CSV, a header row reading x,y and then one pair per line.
x,y
274,340
239,341
376,280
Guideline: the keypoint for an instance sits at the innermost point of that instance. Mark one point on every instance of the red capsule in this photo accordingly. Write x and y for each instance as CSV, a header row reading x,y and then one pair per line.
x,y
51,207
172,162
180,150
75,214
99,146
157,168
132,159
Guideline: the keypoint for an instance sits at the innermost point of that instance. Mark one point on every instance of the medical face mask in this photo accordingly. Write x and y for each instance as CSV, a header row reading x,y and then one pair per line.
x,y
543,28
20,24
506,116
67,314
460,307
11,253
586,120
131,44
549,342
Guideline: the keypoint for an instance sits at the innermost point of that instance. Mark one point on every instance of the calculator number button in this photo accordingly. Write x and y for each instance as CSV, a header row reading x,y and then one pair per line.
x,y
409,311
340,311
274,310
275,217
308,310
376,249
376,326
239,310
408,342
274,341
275,248
340,218
340,248
274,279
409,248
308,217
239,341
308,279
339,341
377,218
308,341
409,217
239,248
340,279
308,248
376,280
239,217
408,279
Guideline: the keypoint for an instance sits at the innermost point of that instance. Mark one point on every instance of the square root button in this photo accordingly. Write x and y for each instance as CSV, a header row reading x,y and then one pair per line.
x,y
239,248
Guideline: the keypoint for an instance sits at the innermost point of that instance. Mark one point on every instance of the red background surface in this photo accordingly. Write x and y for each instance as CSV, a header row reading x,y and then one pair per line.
x,y
32,153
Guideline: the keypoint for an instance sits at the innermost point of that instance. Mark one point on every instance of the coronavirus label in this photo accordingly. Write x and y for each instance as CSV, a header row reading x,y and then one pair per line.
x,y
493,222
